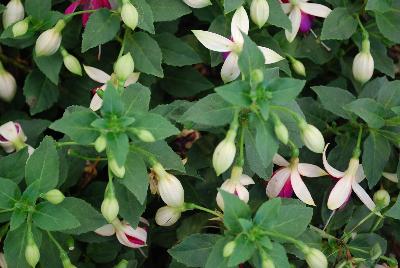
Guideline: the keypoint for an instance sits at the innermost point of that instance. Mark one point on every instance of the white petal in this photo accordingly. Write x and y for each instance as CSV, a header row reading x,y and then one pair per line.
x,y
340,193
106,230
132,79
286,7
300,189
239,25
242,193
270,55
364,197
315,9
96,102
9,131
295,18
280,161
310,170
391,176
197,3
331,170
96,74
360,175
230,69
277,182
246,180
213,41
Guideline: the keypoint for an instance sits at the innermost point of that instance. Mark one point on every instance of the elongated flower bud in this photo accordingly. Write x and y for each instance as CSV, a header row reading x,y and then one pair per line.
x,y
280,129
14,12
8,85
382,198
110,207
66,262
71,63
116,169
32,254
100,143
229,248
315,258
259,12
20,28
312,137
124,67
298,67
197,3
129,14
49,41
167,216
224,153
169,187
363,64
145,135
54,196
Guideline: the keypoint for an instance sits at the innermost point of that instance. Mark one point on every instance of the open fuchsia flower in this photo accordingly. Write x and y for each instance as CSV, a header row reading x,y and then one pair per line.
x,y
348,181
87,5
126,234
232,47
301,15
12,137
288,179
102,77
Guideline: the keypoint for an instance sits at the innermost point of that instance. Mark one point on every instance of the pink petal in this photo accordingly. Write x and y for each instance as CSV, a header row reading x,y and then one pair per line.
x,y
277,182
306,22
331,170
287,190
340,193
72,7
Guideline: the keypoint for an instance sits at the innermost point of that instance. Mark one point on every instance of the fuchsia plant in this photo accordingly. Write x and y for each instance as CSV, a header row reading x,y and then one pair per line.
x,y
87,5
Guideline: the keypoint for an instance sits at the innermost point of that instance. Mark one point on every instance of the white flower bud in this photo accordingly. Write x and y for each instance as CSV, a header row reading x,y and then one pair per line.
x,y
224,153
20,28
12,137
363,64
100,143
32,254
8,85
71,63
171,190
124,67
145,135
54,196
197,3
312,137
259,12
116,169
167,216
14,12
49,41
229,248
298,67
281,132
315,258
129,14
110,208
382,198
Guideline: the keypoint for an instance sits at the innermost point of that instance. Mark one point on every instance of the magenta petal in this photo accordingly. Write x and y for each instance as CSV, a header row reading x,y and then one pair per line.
x,y
106,4
287,190
225,55
85,18
306,22
72,7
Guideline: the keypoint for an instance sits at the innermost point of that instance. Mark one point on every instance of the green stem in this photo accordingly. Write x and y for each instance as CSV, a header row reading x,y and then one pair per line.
x,y
240,161
66,143
55,242
151,158
296,242
121,51
360,223
357,149
6,210
363,30
77,155
67,17
190,206
295,116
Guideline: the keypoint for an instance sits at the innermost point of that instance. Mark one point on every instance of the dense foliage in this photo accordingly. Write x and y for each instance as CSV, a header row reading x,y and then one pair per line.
x,y
199,133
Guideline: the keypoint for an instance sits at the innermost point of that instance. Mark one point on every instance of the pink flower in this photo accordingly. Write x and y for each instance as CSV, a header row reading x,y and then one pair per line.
x,y
12,137
126,235
348,182
287,179
87,5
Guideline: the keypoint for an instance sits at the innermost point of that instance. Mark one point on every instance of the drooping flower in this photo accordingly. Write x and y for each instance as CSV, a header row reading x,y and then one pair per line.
x,y
129,14
301,15
315,258
8,85
21,27
101,77
224,153
49,41
232,48
14,12
259,12
169,187
288,179
348,182
312,137
363,64
12,137
235,185
197,3
87,5
167,216
126,234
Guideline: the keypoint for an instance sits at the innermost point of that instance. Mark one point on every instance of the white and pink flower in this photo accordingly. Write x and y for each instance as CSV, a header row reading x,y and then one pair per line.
x,y
348,181
301,14
126,234
87,5
233,46
12,137
287,179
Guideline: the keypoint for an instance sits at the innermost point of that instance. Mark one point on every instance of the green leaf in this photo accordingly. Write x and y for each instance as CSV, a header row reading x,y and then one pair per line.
x,y
194,250
250,57
112,102
175,51
383,62
339,25
365,242
236,93
39,9
146,19
234,209
168,10
231,5
265,142
40,93
376,152
184,82
145,52
136,98
267,211
277,17
89,218
10,165
216,258
333,99
117,146
378,5
279,256
9,193
101,27
369,110
243,251
136,179
50,66
285,89
389,94
42,166
211,110
388,23
53,218
394,211
77,126
18,217
160,127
